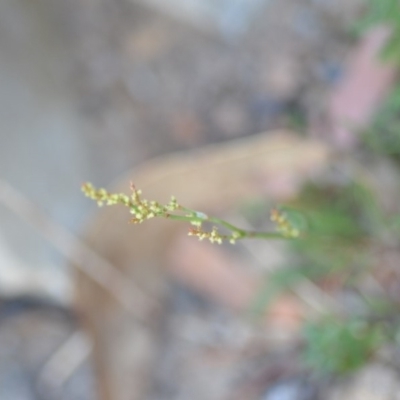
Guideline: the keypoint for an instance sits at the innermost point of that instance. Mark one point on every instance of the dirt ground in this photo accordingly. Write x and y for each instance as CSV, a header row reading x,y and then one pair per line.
x,y
112,84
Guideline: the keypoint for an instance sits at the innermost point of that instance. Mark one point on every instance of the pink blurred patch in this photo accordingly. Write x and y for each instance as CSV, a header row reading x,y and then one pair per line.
x,y
367,81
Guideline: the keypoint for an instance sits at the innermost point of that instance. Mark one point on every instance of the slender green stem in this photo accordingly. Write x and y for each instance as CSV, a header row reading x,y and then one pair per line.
x,y
242,233
227,225
185,218
265,235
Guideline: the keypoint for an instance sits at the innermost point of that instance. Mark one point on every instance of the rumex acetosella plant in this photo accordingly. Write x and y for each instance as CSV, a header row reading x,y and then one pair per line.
x,y
329,230
143,209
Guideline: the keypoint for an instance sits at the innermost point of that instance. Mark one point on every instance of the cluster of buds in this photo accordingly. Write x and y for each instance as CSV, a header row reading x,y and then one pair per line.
x,y
103,197
284,226
141,209
213,236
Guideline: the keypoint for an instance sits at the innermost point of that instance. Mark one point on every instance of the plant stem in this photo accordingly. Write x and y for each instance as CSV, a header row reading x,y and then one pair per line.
x,y
241,233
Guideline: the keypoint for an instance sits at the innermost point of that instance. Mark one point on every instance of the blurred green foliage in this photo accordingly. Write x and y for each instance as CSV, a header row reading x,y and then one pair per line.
x,y
385,12
383,136
337,222
335,345
342,226
346,226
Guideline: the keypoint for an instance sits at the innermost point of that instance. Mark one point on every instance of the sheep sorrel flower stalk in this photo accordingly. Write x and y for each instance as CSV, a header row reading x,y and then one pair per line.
x,y
143,209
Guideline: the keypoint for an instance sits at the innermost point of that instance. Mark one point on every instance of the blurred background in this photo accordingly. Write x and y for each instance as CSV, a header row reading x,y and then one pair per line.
x,y
90,89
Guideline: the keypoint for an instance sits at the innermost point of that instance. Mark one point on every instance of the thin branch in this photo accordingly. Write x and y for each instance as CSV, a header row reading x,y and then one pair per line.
x,y
143,209
81,256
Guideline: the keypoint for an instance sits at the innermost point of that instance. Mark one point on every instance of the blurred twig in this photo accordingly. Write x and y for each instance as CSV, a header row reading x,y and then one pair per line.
x,y
78,253
64,362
